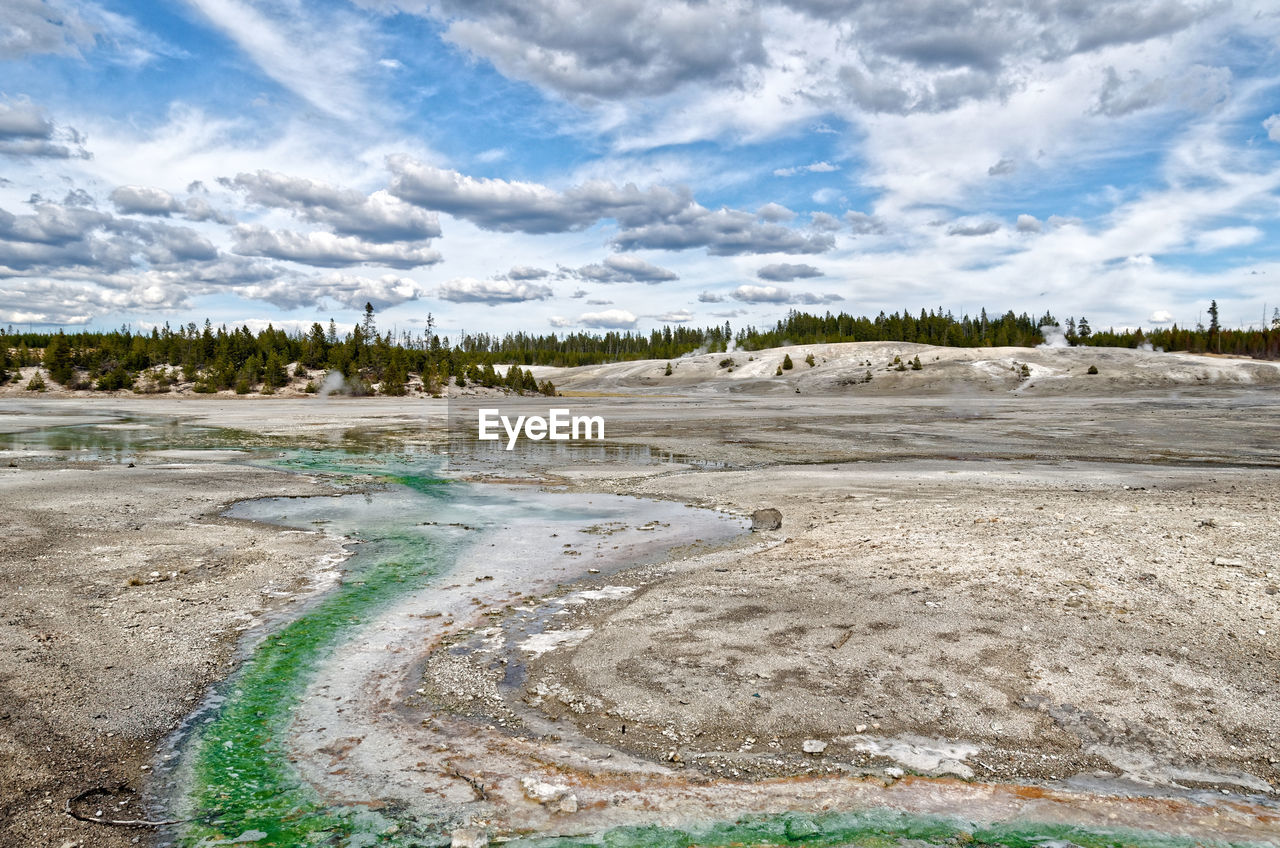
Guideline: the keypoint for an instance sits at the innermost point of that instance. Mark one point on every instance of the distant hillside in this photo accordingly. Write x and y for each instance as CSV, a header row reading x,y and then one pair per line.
x,y
890,367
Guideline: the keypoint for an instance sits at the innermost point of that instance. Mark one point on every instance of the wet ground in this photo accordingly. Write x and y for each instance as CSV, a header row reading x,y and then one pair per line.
x,y
1076,595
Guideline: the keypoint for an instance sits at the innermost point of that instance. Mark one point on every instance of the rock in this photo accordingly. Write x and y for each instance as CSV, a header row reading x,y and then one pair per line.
x,y
1228,563
766,519
859,728
894,772
801,827
568,804
543,793
813,746
469,837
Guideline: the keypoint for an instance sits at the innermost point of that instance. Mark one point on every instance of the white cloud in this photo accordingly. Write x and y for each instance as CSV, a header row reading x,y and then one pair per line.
x,y
783,272
609,319
679,316
1225,237
761,294
656,218
1161,316
625,268
1272,126
812,168
327,249
379,217
314,56
491,292
144,200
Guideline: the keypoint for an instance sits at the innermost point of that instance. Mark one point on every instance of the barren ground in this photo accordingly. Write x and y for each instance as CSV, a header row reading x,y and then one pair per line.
x,y
978,580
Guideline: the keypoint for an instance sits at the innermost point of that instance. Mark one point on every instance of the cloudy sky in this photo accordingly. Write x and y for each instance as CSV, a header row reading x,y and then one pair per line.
x,y
562,164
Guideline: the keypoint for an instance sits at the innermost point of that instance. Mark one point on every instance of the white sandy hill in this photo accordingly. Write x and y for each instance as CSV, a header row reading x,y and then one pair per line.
x,y
842,368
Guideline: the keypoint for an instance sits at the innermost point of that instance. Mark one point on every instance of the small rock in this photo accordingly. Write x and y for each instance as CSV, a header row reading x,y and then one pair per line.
x,y
568,804
894,772
813,746
801,827
1228,563
543,793
859,728
766,519
469,837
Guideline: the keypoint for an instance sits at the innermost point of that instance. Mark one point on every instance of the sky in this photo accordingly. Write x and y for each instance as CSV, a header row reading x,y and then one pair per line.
x,y
557,165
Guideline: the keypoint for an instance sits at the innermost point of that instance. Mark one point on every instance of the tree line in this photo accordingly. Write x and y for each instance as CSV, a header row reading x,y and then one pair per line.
x,y
216,359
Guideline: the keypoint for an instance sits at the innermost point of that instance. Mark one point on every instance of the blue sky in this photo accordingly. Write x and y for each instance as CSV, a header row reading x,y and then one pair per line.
x,y
562,164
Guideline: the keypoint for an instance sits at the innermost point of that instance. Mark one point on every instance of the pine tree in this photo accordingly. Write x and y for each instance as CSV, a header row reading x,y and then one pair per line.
x,y
57,359
787,364
273,375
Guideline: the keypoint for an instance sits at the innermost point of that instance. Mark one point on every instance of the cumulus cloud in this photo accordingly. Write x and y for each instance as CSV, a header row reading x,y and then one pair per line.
x,y
711,297
584,49
822,222
148,200
43,301
328,250
761,294
723,232
656,218
513,206
783,272
1161,316
775,212
1004,166
143,200
348,290
54,238
679,316
909,58
1272,126
25,132
1028,224
491,292
973,228
863,224
814,298
624,268
527,272
43,26
21,119
378,217
609,319
773,294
